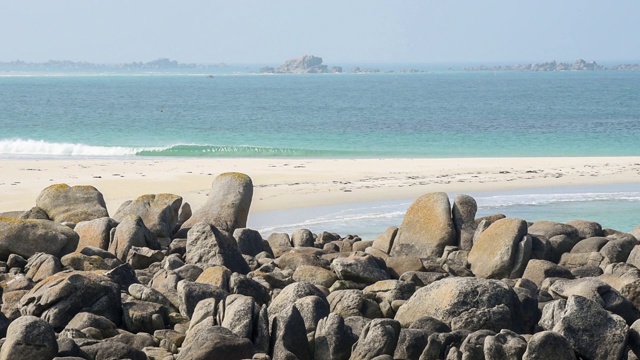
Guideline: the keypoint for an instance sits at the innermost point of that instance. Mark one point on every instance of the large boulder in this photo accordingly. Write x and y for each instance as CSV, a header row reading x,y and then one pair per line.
x,y
288,336
215,343
451,299
502,250
27,237
228,204
29,338
361,269
379,337
64,203
58,298
548,345
158,212
207,246
427,227
593,332
333,339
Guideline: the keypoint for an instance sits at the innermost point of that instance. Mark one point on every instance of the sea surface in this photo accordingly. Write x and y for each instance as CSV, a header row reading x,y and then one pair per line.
x,y
433,114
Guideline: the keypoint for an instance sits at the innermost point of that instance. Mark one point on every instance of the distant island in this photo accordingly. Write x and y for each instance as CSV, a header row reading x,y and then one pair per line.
x,y
311,64
158,64
578,65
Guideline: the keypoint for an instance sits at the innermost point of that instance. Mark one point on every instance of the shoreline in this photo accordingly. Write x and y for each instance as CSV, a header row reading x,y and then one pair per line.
x,y
292,183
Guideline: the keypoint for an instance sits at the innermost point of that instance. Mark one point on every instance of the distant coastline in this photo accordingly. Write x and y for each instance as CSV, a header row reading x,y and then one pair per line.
x,y
306,64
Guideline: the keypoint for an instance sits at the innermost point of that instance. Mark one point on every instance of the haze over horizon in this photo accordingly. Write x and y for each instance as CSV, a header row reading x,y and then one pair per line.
x,y
254,32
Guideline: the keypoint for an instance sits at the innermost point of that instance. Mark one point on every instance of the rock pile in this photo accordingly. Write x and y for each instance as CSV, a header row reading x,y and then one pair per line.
x,y
157,282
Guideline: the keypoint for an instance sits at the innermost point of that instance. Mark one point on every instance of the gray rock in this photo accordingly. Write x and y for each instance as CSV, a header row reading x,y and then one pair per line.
x,y
144,316
634,256
426,229
131,232
586,229
29,338
41,266
240,314
145,293
241,284
27,237
464,212
577,260
494,319
538,270
74,204
302,238
158,212
95,233
85,320
228,206
379,337
292,260
504,345
384,241
35,213
346,303
441,345
315,275
215,343
430,325
207,246
79,261
363,269
333,339
108,350
634,338
550,229
190,293
618,250
249,241
279,240
312,309
499,250
450,298
205,312
411,343
58,298
473,346
290,294
592,244
591,330
548,345
288,335
143,257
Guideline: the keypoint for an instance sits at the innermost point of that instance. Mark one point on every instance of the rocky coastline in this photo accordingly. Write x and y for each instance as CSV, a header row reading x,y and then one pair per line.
x,y
157,280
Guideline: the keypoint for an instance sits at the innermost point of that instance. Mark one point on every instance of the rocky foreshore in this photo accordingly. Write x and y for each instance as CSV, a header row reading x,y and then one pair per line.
x,y
158,281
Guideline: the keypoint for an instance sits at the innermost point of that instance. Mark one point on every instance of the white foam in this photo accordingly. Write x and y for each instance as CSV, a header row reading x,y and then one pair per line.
x,y
41,147
502,201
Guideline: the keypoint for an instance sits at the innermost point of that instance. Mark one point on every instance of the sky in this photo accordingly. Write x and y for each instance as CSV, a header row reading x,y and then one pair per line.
x,y
341,32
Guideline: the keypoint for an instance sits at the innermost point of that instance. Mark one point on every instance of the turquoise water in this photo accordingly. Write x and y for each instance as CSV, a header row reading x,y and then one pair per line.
x,y
437,114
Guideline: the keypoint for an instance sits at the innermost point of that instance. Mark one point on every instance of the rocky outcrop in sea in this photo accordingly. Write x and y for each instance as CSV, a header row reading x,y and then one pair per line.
x,y
158,281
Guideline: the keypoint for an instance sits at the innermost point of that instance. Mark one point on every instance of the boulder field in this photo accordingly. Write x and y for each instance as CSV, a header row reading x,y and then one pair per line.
x,y
158,281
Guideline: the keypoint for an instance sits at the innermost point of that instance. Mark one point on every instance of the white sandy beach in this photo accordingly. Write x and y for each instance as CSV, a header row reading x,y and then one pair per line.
x,y
299,183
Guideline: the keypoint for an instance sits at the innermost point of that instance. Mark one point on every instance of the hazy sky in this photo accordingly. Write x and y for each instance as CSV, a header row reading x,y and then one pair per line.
x,y
347,31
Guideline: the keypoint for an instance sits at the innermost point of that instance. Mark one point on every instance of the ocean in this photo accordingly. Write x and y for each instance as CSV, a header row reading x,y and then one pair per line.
x,y
433,114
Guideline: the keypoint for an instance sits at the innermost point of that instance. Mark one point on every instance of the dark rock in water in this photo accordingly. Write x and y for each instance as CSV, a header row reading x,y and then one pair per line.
x,y
228,206
207,246
548,345
249,241
131,232
426,229
73,204
464,212
450,298
29,338
58,298
215,343
501,251
27,237
95,233
379,337
158,212
333,339
591,330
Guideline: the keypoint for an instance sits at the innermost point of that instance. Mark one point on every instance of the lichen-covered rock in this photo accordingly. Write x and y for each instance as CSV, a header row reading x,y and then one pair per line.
x,y
207,246
500,250
27,237
73,204
228,206
158,212
426,229
29,337
450,298
84,320
58,298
